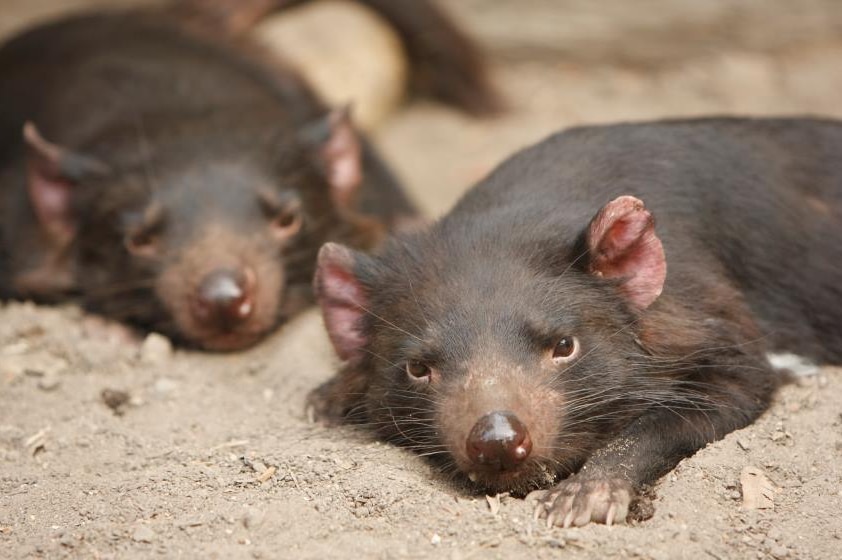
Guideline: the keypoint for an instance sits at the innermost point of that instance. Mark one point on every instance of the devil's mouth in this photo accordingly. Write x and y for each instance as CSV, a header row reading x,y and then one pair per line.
x,y
522,479
229,338
230,341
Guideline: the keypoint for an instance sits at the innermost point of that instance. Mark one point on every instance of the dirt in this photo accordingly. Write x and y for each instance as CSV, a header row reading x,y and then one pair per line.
x,y
115,449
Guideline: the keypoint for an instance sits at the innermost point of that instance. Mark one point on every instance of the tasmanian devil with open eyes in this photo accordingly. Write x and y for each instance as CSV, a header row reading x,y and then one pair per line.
x,y
597,309
174,180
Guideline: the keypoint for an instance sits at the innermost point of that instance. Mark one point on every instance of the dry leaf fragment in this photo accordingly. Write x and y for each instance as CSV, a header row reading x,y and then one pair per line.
x,y
267,474
758,490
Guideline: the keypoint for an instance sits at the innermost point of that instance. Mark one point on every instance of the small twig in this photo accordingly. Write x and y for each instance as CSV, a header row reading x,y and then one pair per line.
x,y
229,444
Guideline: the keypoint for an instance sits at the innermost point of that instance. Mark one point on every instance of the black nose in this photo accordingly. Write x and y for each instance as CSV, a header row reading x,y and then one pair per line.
x,y
224,298
499,440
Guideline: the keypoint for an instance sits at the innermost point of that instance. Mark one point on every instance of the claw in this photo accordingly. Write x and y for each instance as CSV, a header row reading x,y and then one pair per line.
x,y
609,517
577,502
536,496
568,520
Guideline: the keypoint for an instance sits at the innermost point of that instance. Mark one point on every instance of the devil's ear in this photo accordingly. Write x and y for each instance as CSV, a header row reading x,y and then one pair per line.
x,y
622,244
52,172
343,300
338,149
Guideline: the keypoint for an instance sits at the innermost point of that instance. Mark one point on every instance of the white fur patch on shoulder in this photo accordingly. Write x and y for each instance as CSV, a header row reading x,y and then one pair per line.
x,y
798,365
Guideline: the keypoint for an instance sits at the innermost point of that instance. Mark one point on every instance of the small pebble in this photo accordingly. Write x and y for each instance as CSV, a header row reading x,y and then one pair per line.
x,y
253,518
345,464
556,543
143,534
37,365
115,399
156,350
49,382
779,551
435,540
16,348
165,385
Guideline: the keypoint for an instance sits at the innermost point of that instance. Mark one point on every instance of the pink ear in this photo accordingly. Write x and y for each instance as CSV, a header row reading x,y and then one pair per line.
x,y
342,157
49,191
623,245
52,173
342,300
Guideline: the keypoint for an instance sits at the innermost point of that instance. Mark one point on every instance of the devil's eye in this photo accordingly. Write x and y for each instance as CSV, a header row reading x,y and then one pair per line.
x,y
566,350
144,232
140,241
283,211
418,371
287,223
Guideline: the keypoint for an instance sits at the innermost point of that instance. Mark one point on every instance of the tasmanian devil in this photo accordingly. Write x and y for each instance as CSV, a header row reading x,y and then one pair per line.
x,y
176,181
548,328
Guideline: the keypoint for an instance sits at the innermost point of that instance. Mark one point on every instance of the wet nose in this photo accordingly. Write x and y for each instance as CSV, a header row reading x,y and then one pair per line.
x,y
224,297
499,440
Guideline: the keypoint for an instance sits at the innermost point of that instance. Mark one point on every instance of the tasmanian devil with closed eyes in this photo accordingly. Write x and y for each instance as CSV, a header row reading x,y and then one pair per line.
x,y
598,308
168,177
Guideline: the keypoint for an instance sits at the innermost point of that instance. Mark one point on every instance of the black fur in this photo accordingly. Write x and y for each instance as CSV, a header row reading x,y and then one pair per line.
x,y
160,106
750,216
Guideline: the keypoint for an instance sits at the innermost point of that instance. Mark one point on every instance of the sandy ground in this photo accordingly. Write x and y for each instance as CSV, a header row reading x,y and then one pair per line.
x,y
211,457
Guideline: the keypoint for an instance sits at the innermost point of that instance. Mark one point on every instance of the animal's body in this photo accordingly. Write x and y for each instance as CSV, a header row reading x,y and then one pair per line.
x,y
598,308
166,176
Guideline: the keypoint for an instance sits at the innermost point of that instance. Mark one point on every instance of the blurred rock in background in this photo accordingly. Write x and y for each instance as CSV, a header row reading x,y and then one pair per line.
x,y
347,53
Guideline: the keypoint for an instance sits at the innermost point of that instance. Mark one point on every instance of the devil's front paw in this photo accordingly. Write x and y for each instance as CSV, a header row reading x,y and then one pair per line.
x,y
578,501
325,405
